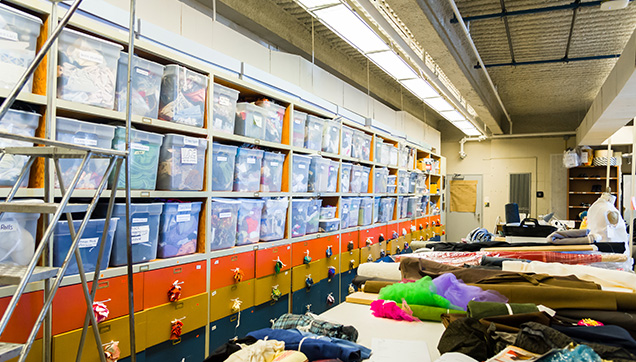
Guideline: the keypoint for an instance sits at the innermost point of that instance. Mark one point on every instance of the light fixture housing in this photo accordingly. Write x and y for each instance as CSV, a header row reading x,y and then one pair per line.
x,y
420,88
393,64
439,104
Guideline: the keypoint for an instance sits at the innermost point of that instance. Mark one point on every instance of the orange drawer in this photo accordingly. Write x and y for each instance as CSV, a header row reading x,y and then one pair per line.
x,y
69,307
349,260
23,318
349,240
266,259
436,218
157,282
317,249
222,269
405,227
391,229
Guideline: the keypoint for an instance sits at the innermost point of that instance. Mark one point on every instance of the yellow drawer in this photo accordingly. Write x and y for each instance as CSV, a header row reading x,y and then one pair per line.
x,y
437,230
373,251
334,261
222,299
349,260
263,286
65,345
416,234
408,237
159,319
317,270
35,354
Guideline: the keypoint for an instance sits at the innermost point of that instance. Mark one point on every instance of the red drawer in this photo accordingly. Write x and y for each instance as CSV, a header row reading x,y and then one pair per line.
x,y
373,233
348,238
266,259
24,316
222,269
69,307
436,219
158,282
405,226
392,228
317,249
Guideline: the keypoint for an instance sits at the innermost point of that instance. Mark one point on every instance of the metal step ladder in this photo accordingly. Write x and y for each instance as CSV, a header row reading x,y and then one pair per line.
x,y
52,151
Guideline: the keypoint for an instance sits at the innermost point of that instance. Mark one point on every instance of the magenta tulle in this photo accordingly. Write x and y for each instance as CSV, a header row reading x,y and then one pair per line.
x,y
459,294
389,309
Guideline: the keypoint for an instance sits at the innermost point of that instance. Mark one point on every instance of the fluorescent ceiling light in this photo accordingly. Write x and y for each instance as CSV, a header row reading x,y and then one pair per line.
x,y
453,116
439,104
471,132
350,27
420,88
310,4
463,125
392,64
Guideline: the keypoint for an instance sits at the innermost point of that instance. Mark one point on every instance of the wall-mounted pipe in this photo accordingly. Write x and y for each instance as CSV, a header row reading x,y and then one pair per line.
x,y
463,154
534,135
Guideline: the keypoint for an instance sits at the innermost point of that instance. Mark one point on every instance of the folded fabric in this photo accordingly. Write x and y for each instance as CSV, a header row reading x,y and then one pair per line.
x,y
480,310
387,271
608,279
421,292
621,319
512,323
313,346
467,336
226,350
373,286
308,323
261,351
459,294
390,310
565,234
428,313
608,335
579,353
605,247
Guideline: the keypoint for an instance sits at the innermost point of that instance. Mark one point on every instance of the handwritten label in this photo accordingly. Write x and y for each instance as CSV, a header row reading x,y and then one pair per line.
x,y
9,35
140,146
140,234
88,242
301,166
221,158
184,207
91,56
225,215
189,141
274,164
189,156
142,71
183,217
224,101
251,160
84,141
139,220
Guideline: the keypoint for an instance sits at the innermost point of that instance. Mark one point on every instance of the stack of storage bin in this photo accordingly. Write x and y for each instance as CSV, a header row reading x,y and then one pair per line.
x,y
224,220
16,57
223,162
144,158
224,108
272,172
247,170
145,85
89,244
183,96
248,229
273,219
19,123
299,208
178,229
182,163
300,173
391,184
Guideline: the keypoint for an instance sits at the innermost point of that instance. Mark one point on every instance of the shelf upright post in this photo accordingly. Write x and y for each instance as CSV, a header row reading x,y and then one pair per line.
x,y
131,300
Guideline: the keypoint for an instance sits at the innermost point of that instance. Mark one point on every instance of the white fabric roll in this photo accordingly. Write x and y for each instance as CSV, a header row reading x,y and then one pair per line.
x,y
388,271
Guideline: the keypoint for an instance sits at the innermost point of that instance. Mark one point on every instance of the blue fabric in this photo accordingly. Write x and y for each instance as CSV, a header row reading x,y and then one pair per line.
x,y
610,335
313,346
364,351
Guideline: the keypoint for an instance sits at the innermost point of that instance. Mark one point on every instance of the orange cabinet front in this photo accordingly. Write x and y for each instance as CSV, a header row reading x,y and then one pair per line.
x,y
349,240
158,282
266,260
23,318
315,248
223,269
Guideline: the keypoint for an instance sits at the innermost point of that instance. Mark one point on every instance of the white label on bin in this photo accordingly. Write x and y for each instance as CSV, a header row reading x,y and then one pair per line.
x,y
9,35
189,141
258,120
221,158
225,215
84,141
7,227
140,234
88,242
183,217
297,121
301,166
142,71
139,220
274,164
316,126
357,173
184,207
251,160
140,146
91,56
189,156
224,101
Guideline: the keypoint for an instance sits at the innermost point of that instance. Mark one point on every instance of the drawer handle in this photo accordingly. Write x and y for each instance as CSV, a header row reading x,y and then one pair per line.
x,y
275,250
104,329
177,270
278,265
178,305
104,284
234,258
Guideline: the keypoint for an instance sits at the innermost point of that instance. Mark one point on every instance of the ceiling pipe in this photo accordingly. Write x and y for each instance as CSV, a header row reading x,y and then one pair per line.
x,y
463,154
481,62
548,61
534,135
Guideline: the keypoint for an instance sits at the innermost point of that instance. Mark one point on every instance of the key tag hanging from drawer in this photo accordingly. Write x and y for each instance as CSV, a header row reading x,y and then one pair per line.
x,y
329,252
370,258
238,275
307,258
331,272
397,249
352,263
381,238
278,265
368,241
352,289
276,293
175,329
236,308
111,351
309,282
174,294
395,235
101,310
403,231
382,253
330,299
350,246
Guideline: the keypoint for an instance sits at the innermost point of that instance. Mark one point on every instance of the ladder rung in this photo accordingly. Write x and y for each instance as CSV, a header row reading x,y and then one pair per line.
x,y
13,274
9,350
53,151
39,208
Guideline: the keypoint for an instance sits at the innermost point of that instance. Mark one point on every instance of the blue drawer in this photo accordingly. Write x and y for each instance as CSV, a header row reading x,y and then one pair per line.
x,y
345,280
225,329
191,348
303,297
265,312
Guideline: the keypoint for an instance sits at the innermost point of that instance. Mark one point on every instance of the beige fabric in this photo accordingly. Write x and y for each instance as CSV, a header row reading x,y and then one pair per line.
x,y
463,194
261,351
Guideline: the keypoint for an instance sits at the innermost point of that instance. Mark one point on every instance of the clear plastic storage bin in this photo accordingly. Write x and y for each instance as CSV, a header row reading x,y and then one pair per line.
x,y
329,225
85,134
298,129
327,212
223,222
411,206
20,32
390,189
330,136
391,180
354,211
347,139
318,174
313,216
380,181
364,185
17,244
376,210
178,229
250,120
332,180
403,155
379,142
249,221
404,203
272,172
223,161
299,217
366,146
224,108
385,153
345,177
412,181
181,163
345,204
273,122
145,85
386,209
87,69
313,133
88,247
18,123
356,144
144,158
403,182
300,173
273,219
393,156
365,211
183,95
144,232
356,179
247,170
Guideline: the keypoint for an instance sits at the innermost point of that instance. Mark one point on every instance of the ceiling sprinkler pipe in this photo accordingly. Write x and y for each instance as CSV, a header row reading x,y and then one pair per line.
x,y
463,154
